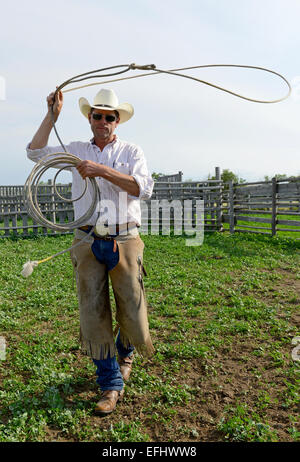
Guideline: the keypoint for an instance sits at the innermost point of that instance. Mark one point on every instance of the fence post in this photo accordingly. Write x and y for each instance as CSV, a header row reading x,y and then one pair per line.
x,y
52,202
231,208
6,219
219,200
13,208
274,205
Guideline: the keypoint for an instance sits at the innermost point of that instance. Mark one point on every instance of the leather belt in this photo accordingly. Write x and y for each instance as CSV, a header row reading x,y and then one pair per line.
x,y
118,229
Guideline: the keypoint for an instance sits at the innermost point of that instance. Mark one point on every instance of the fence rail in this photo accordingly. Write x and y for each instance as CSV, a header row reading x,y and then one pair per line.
x,y
268,207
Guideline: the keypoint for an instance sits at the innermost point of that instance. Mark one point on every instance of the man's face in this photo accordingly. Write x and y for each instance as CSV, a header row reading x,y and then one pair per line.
x,y
103,129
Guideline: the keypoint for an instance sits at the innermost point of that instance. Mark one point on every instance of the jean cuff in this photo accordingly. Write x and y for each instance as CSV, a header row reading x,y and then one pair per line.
x,y
109,388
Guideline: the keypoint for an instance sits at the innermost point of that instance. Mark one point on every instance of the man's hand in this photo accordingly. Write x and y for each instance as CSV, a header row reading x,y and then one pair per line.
x,y
90,169
40,139
58,104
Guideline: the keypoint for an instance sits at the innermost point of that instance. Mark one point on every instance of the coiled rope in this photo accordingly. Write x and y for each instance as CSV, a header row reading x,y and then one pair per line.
x,y
31,190
70,160
31,201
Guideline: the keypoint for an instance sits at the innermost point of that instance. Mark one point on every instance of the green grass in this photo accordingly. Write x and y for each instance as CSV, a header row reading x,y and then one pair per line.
x,y
244,425
222,317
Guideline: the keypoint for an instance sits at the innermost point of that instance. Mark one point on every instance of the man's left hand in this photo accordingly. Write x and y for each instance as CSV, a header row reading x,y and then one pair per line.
x,y
90,169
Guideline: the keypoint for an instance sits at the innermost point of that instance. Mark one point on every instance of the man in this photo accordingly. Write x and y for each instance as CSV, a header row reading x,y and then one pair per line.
x,y
115,248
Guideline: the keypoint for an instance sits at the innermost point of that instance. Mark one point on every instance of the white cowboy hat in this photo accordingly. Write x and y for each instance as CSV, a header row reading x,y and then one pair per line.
x,y
107,99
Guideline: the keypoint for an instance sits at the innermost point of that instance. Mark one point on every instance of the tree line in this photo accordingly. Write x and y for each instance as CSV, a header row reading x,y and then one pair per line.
x,y
227,175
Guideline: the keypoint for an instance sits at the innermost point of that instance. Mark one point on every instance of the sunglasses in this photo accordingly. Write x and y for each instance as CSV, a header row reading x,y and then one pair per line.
x,y
108,117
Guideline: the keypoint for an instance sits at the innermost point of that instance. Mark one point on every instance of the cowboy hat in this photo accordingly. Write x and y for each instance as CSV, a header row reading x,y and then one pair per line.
x,y
107,99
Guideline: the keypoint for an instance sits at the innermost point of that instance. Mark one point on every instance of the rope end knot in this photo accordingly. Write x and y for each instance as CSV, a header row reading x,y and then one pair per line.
x,y
145,67
28,268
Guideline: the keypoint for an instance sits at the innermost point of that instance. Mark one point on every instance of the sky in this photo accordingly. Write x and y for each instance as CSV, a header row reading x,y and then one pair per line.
x,y
181,125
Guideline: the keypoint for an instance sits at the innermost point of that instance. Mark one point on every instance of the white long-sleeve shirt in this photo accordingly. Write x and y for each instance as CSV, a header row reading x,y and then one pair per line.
x,y
124,157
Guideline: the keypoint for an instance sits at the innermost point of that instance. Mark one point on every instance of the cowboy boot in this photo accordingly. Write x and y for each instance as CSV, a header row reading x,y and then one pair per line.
x,y
108,401
125,366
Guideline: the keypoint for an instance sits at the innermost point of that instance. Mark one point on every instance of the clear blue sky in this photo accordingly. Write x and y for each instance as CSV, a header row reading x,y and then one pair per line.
x,y
180,125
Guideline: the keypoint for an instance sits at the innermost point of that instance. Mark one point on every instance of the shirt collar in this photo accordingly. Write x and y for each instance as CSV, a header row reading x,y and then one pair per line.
x,y
115,140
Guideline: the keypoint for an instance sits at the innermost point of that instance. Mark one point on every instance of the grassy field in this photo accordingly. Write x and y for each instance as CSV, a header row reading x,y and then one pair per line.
x,y
222,315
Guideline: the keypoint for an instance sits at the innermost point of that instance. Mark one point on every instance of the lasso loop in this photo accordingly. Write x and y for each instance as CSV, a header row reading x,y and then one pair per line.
x,y
154,71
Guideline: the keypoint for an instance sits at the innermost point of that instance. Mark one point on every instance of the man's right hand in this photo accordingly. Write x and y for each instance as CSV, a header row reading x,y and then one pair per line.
x,y
40,139
58,104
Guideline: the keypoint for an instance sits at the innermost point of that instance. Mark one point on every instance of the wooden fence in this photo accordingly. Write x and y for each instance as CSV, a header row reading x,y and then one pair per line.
x,y
269,207
14,216
170,178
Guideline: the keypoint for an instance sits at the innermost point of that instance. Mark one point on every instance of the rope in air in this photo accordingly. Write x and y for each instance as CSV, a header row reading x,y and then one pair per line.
x,y
152,67
69,160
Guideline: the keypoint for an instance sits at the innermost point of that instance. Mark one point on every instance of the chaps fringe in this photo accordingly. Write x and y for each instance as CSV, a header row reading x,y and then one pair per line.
x,y
98,351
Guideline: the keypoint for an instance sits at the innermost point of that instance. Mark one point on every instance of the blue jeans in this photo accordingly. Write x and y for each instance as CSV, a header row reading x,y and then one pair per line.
x,y
108,370
103,251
